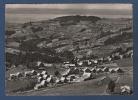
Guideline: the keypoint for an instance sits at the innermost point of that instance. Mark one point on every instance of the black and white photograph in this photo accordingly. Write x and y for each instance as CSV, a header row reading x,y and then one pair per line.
x,y
77,49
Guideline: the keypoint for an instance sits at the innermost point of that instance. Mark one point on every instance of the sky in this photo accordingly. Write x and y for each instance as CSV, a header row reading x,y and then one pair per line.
x,y
25,12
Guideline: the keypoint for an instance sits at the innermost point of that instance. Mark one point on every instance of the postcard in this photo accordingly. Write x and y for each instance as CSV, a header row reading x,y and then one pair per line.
x,y
77,49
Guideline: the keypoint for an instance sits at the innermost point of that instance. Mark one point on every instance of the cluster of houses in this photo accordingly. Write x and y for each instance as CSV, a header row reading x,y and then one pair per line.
x,y
108,59
70,75
91,62
19,75
82,63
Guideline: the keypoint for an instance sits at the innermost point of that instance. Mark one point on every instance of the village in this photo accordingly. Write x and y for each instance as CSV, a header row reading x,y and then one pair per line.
x,y
82,70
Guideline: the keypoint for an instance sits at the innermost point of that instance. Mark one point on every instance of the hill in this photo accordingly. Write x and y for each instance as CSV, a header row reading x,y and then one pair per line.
x,y
82,35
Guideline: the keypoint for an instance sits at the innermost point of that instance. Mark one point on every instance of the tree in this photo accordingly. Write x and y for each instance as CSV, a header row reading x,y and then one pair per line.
x,y
28,47
68,55
57,73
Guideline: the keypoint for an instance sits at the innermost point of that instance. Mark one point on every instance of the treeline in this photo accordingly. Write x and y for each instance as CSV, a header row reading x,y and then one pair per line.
x,y
103,34
119,38
72,20
29,52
